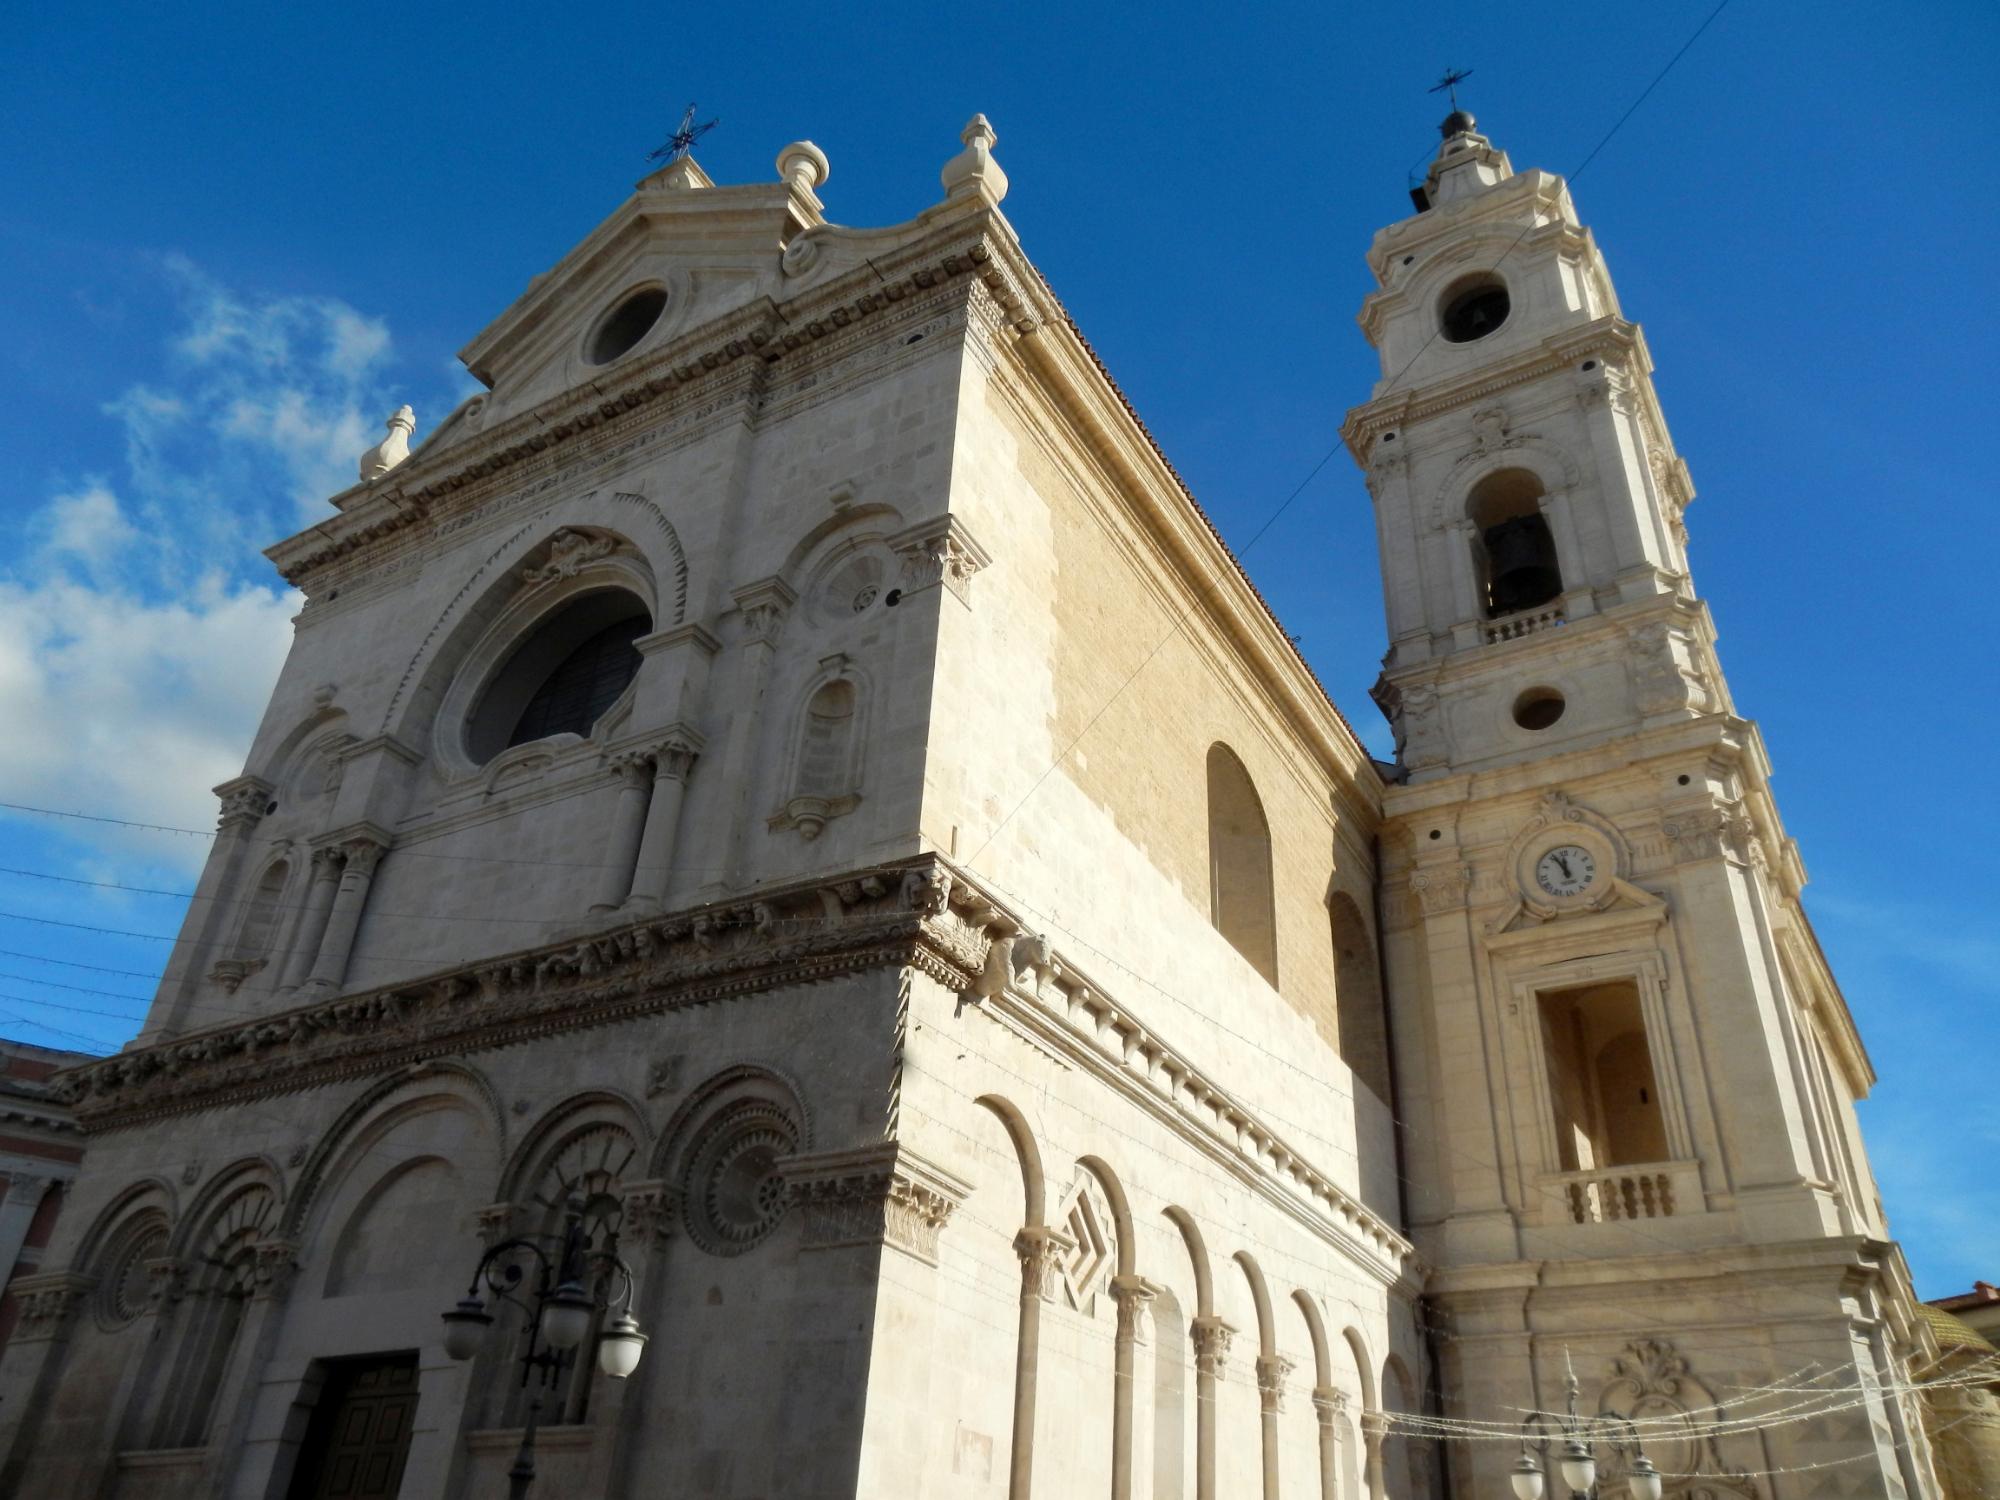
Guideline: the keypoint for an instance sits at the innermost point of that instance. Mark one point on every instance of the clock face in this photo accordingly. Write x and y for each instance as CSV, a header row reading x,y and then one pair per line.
x,y
1566,870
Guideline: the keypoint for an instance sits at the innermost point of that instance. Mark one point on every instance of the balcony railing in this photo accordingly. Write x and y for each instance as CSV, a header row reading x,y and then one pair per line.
x,y
1604,1195
1527,622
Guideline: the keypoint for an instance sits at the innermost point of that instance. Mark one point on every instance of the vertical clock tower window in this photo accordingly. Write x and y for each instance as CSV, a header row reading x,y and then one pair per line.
x,y
1515,554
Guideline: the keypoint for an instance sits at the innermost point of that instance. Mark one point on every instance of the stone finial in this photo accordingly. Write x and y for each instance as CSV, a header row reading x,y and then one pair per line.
x,y
393,449
974,170
803,165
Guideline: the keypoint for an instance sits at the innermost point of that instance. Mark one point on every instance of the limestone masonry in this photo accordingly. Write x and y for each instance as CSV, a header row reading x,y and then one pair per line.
x,y
790,771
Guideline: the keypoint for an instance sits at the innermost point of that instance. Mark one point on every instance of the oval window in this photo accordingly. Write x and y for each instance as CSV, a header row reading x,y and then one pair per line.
x,y
627,323
1474,309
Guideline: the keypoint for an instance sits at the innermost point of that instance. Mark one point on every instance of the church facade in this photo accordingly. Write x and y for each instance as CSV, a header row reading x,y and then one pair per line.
x,y
787,789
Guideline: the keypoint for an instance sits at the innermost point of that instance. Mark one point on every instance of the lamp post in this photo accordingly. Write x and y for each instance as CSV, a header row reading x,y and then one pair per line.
x,y
570,1282
1576,1439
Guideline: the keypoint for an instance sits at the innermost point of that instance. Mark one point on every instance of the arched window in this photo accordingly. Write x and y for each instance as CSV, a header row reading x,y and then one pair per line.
x,y
1357,995
1239,863
210,1316
560,680
1516,555
253,940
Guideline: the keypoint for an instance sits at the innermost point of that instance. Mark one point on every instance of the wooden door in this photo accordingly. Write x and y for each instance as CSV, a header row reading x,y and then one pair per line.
x,y
360,1431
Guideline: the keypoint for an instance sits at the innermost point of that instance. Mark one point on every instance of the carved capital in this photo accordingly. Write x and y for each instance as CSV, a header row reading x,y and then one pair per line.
x,y
1211,1345
939,551
244,803
764,607
1709,832
1441,888
166,1281
1328,1404
1134,1294
1273,1370
1041,1250
496,1222
327,862
49,1302
275,1267
231,972
363,854
651,1210
884,1194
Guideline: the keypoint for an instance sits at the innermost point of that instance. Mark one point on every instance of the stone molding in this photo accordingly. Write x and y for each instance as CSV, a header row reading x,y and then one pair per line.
x,y
885,1194
48,1303
922,914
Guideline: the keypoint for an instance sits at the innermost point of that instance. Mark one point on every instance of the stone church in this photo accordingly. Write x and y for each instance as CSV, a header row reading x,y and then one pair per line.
x,y
786,834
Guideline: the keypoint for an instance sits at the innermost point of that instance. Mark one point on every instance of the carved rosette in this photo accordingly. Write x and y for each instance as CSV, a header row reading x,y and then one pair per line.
x,y
1273,1370
244,803
939,551
1211,1345
875,1195
49,1302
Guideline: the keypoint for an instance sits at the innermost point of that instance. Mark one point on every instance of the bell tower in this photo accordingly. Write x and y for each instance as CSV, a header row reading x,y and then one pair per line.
x,y
1626,1075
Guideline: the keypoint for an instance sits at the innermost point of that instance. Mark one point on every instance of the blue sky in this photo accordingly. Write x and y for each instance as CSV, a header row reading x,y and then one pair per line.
x,y
232,239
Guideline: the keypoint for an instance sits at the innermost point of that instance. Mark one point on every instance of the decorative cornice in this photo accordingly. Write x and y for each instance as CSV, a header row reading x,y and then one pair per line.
x,y
761,331
874,1195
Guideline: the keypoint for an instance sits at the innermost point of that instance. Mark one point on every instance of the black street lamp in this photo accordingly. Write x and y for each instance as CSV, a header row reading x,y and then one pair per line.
x,y
572,1282
1576,1438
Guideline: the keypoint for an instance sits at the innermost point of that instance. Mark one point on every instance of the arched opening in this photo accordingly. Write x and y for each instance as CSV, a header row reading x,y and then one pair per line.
x,y
253,940
1601,1079
826,741
1357,995
1515,555
1474,307
1239,863
563,677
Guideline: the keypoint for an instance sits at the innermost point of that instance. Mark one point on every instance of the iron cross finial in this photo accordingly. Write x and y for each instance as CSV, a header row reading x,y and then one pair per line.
x,y
1448,84
685,136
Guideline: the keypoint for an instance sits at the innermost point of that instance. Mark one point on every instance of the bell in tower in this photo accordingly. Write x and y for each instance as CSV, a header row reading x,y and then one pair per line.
x,y
1521,564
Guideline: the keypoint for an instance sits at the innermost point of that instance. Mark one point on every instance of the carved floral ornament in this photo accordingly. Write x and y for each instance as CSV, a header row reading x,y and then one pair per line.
x,y
1651,1383
571,550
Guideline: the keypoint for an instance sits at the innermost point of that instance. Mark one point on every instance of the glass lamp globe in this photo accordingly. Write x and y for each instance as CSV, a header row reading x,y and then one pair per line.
x,y
566,1317
465,1328
1579,1467
1526,1478
1645,1482
621,1344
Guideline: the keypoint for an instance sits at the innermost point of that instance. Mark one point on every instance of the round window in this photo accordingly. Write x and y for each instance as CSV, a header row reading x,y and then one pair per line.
x,y
735,1193
1473,309
127,1284
627,323
1538,708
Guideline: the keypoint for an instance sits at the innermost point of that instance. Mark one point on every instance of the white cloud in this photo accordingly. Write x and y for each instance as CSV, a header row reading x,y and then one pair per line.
x,y
140,632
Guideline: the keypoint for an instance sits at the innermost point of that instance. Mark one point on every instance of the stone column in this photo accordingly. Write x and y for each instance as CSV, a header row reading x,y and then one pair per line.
x,y
1272,1370
1211,1356
1132,1294
673,758
1041,1251
33,1367
243,802
312,921
357,872
652,1210
246,1436
1328,1404
1374,1427
17,1212
628,824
